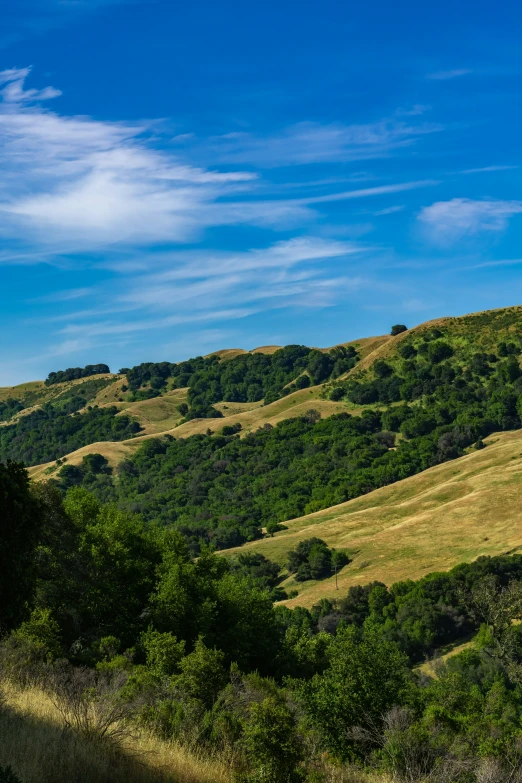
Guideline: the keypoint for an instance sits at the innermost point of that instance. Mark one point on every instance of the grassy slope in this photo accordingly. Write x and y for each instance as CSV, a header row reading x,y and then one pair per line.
x,y
35,743
34,394
160,415
451,513
467,334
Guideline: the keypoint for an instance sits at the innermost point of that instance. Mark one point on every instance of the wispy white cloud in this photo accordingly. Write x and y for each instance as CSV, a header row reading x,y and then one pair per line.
x,y
309,142
14,91
390,210
485,169
73,184
108,327
64,296
93,183
501,262
197,287
450,74
447,221
120,198
379,190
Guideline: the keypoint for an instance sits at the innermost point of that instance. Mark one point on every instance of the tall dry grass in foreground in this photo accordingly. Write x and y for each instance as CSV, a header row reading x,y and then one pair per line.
x,y
38,747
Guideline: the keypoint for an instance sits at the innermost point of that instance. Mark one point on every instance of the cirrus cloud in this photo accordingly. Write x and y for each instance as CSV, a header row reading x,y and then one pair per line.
x,y
447,221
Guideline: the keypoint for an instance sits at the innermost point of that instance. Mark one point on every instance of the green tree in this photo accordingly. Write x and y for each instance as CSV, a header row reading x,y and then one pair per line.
x,y
20,528
163,651
203,673
271,743
366,676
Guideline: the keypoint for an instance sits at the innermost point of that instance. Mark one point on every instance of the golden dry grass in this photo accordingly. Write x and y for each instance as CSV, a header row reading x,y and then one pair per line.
x,y
231,353
20,391
257,414
42,393
114,451
33,742
446,515
158,414
431,667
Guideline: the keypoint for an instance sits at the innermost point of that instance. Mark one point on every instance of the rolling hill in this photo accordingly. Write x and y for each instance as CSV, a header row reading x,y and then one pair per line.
x,y
448,514
369,445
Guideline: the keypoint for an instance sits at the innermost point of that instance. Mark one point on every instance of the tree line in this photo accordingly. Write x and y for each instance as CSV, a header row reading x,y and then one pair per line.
x,y
74,373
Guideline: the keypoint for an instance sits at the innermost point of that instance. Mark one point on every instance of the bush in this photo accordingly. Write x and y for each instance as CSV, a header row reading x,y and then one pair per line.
x,y
231,429
438,351
271,743
398,329
73,373
382,369
303,382
23,661
337,393
89,701
311,559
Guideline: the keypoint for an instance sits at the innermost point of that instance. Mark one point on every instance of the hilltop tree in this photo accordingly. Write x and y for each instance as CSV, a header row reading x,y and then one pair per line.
x,y
397,329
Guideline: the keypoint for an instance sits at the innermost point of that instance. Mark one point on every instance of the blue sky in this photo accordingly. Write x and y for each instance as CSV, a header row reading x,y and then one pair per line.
x,y
178,178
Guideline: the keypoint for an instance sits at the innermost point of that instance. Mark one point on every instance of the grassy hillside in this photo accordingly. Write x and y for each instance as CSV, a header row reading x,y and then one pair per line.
x,y
448,514
467,334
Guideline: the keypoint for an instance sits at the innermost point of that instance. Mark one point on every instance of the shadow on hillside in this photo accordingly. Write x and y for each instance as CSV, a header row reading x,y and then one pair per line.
x,y
40,751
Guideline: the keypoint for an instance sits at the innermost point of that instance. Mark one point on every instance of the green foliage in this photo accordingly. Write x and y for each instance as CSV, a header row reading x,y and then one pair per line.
x,y
194,648
223,489
73,373
271,743
79,395
43,630
163,651
365,677
245,378
10,408
20,525
91,470
398,329
264,572
203,673
312,559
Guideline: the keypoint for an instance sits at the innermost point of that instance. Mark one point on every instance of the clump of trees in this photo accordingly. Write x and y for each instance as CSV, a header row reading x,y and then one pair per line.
x,y
313,559
73,373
